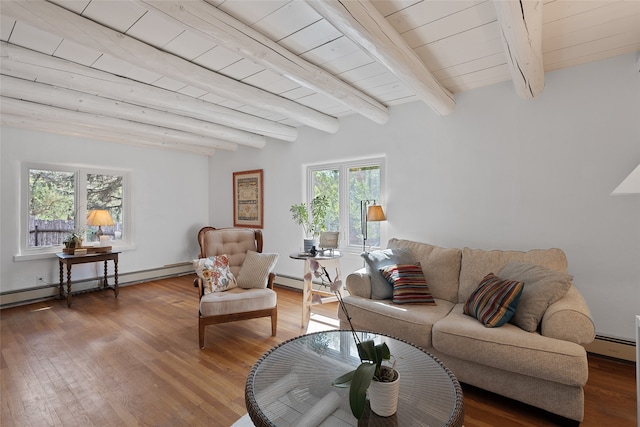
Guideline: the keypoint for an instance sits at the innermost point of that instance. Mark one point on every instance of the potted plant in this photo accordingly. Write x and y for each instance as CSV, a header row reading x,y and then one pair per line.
x,y
381,381
73,240
311,219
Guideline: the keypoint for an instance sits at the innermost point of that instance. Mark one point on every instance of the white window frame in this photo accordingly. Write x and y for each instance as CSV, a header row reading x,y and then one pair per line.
x,y
26,253
343,167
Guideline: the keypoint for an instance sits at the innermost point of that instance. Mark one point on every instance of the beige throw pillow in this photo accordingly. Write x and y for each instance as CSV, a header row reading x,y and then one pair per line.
x,y
542,287
255,270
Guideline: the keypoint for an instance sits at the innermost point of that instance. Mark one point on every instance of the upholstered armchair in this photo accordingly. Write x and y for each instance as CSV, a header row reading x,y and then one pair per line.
x,y
234,280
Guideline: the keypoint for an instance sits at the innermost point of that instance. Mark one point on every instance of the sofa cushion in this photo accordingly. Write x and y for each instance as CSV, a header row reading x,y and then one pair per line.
x,y
410,322
409,285
494,301
511,349
477,263
237,300
441,267
215,274
542,287
375,260
255,270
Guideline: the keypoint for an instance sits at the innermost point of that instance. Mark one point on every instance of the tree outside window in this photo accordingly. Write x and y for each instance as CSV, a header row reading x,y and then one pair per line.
x,y
105,192
58,198
345,184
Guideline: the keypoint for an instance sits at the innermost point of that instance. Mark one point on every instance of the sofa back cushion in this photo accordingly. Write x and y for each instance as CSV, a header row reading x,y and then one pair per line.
x,y
441,267
477,263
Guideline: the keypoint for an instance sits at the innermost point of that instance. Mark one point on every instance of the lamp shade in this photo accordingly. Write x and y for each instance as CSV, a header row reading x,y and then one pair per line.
x,y
99,217
375,213
631,184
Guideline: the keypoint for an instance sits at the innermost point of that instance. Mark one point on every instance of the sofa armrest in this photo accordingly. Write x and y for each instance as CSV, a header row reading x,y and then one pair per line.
x,y
569,319
359,284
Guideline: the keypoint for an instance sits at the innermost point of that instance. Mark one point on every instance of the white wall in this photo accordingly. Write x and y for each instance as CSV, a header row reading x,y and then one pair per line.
x,y
499,173
170,192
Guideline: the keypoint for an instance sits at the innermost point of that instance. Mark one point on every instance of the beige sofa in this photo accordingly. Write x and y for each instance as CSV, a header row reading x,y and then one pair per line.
x,y
546,368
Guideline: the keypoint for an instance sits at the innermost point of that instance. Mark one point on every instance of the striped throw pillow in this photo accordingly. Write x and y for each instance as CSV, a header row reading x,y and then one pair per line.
x,y
409,284
495,300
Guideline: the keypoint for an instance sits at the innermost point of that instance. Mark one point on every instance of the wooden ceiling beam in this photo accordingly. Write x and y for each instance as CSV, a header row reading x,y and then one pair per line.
x,y
360,21
27,64
94,133
521,28
221,28
71,119
42,93
68,25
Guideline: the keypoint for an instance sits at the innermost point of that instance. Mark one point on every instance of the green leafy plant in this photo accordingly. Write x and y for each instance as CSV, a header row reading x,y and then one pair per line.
x,y
311,219
73,239
371,355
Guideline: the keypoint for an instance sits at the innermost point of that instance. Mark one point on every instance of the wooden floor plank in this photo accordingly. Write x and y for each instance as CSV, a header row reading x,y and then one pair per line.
x,y
135,360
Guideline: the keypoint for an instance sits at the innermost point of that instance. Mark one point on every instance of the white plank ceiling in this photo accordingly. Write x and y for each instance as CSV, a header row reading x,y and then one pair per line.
x,y
203,75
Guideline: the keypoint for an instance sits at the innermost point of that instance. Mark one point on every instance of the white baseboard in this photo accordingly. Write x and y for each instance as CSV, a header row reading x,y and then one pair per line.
x,y
613,347
288,281
26,296
295,282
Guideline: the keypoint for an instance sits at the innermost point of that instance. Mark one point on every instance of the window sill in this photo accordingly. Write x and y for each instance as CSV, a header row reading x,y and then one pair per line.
x,y
51,253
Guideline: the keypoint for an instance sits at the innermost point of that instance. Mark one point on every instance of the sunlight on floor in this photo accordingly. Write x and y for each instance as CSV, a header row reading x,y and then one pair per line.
x,y
319,323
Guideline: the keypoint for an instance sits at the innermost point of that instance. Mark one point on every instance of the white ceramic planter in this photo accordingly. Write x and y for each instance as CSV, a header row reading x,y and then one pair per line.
x,y
383,397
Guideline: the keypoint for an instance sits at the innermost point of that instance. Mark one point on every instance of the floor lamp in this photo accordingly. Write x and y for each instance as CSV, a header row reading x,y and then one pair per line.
x,y
631,185
369,213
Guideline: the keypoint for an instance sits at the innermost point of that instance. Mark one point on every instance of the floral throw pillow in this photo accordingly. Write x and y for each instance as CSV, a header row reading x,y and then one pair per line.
x,y
215,274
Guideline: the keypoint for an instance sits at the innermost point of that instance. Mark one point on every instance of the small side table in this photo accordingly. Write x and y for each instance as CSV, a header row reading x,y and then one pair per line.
x,y
329,260
69,260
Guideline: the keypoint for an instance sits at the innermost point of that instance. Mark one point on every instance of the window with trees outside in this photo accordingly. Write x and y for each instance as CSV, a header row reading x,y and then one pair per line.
x,y
60,199
345,184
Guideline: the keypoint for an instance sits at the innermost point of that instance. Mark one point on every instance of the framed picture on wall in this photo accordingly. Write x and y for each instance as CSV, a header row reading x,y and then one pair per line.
x,y
248,199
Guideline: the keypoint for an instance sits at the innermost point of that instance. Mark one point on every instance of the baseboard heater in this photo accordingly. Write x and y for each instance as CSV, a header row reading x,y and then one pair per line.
x,y
613,347
50,291
295,282
288,281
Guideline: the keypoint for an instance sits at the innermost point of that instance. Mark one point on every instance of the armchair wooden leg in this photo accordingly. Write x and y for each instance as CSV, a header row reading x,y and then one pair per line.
x,y
274,322
201,333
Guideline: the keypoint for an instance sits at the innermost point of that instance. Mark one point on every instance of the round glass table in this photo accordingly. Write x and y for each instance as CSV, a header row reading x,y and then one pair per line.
x,y
291,384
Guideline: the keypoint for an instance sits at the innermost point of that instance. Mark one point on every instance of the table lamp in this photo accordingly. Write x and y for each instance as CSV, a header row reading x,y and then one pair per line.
x,y
99,217
370,213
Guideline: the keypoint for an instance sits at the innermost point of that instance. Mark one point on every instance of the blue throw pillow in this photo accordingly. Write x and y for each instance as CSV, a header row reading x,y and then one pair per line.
x,y
375,260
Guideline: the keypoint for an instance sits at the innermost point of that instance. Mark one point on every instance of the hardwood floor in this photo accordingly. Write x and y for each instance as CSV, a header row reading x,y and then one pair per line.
x,y
135,361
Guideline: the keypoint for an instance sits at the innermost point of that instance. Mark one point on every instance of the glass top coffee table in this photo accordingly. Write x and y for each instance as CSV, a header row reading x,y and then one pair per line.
x,y
291,384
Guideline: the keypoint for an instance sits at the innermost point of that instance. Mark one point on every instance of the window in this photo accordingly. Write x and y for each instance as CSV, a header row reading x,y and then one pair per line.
x,y
346,184
59,200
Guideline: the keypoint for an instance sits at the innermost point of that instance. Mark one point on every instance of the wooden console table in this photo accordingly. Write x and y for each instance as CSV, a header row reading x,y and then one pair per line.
x,y
69,260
